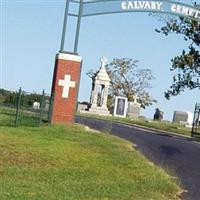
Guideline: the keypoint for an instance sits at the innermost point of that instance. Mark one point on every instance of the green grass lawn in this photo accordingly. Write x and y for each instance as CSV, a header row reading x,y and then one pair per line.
x,y
6,116
165,126
60,163
26,117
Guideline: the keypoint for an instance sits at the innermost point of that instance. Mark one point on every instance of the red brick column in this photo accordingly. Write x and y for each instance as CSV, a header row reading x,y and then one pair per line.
x,y
65,87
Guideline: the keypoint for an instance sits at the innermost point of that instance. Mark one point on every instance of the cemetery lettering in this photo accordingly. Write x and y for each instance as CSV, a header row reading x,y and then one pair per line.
x,y
185,10
157,5
68,64
151,5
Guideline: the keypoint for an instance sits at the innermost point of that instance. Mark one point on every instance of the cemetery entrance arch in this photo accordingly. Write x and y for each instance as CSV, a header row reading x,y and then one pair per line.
x,y
68,64
85,8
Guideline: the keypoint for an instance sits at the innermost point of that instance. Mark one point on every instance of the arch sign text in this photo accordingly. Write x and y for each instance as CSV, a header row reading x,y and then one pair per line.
x,y
86,8
160,7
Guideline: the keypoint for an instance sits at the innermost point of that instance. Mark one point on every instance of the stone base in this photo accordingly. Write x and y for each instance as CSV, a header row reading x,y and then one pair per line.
x,y
97,112
133,116
133,110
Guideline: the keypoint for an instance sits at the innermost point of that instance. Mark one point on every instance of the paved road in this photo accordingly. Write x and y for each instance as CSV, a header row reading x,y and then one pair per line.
x,y
180,155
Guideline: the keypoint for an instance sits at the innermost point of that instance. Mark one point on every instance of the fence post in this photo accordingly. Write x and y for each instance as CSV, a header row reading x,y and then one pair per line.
x,y
51,106
18,103
193,124
41,106
196,117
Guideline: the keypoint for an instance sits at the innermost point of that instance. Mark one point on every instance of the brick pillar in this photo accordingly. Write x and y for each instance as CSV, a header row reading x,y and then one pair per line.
x,y
65,87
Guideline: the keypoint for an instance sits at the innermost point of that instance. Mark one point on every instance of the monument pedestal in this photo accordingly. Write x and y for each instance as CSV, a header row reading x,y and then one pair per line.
x,y
133,110
99,111
65,87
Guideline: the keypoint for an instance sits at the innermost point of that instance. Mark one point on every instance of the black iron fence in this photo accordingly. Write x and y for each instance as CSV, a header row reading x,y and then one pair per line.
x,y
26,109
196,121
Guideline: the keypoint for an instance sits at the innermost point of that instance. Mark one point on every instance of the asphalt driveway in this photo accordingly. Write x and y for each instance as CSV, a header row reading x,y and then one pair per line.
x,y
178,155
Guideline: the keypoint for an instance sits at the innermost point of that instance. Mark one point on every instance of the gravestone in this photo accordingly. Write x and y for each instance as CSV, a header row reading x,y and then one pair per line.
x,y
158,116
46,107
183,118
82,107
36,105
120,106
133,110
67,68
99,94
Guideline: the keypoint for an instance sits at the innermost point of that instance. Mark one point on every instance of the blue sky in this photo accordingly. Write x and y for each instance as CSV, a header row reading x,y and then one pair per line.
x,y
30,39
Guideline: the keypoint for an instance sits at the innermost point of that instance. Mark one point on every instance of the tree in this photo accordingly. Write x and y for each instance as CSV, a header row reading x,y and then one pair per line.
x,y
7,97
187,65
127,79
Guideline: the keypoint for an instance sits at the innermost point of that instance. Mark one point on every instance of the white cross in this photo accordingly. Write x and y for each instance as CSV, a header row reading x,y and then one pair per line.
x,y
135,98
66,83
104,61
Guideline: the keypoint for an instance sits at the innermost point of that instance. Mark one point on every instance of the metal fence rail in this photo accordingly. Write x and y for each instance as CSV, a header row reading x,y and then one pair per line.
x,y
25,109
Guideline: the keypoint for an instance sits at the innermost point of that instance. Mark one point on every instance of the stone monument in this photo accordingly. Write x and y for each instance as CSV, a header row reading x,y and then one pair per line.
x,y
158,116
183,118
100,87
120,107
133,109
82,107
36,105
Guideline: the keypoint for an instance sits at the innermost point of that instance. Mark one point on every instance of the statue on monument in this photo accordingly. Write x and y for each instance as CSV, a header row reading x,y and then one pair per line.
x,y
104,61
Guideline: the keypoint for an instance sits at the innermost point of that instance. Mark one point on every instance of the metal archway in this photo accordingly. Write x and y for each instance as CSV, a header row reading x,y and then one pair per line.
x,y
101,7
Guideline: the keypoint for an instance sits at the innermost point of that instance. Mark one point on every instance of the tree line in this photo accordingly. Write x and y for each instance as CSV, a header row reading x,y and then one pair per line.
x,y
9,97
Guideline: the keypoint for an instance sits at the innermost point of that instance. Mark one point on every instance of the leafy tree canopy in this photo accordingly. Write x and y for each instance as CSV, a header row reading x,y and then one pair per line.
x,y
127,79
187,65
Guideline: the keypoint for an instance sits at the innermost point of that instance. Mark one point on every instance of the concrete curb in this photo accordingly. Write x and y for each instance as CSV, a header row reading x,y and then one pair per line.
x,y
145,128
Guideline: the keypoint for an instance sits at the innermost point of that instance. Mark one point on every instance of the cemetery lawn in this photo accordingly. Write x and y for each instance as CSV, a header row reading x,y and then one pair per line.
x,y
163,126
60,163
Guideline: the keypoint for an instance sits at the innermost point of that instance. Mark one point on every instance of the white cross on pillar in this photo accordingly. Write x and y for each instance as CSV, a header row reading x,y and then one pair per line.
x,y
66,83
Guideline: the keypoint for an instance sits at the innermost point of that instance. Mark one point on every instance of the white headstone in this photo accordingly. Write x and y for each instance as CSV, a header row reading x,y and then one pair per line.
x,y
184,118
120,107
82,107
36,105
46,105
